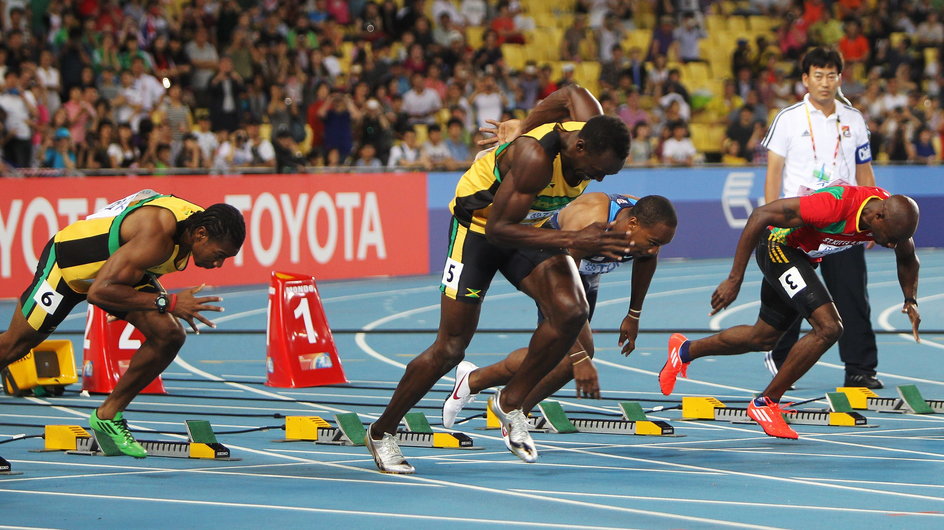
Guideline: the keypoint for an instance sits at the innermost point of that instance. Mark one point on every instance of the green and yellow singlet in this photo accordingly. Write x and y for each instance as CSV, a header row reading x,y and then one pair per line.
x,y
477,187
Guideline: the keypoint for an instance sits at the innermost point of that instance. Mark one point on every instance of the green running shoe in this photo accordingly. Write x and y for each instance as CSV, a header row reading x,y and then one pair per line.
x,y
117,430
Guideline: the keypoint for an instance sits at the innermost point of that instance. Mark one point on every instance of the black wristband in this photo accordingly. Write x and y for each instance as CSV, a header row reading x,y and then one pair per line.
x,y
912,300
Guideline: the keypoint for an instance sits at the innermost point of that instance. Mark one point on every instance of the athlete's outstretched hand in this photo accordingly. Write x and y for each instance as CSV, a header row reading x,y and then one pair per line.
x,y
598,239
502,132
189,307
628,331
725,294
911,309
585,377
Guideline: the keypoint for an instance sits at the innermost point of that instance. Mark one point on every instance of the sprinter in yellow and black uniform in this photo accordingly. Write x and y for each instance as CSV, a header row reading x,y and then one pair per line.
x,y
113,258
500,203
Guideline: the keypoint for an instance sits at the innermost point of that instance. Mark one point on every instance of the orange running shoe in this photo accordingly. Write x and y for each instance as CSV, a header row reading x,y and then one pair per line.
x,y
674,366
770,418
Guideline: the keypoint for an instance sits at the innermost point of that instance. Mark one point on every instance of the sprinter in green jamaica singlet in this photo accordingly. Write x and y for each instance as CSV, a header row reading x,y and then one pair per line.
x,y
500,204
113,258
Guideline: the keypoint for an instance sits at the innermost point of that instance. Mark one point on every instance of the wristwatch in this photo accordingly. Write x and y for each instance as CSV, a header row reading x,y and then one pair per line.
x,y
162,302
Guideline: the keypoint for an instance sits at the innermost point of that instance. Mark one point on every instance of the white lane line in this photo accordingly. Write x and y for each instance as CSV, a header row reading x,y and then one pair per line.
x,y
304,509
187,366
714,502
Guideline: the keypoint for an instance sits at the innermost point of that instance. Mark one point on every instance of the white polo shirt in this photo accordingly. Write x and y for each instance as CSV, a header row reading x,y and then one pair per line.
x,y
841,142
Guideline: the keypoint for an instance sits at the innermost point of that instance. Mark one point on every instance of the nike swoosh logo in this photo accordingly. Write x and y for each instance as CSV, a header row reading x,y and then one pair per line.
x,y
454,392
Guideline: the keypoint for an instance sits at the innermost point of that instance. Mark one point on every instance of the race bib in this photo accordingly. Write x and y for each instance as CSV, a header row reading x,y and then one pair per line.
x,y
47,298
792,282
118,206
451,273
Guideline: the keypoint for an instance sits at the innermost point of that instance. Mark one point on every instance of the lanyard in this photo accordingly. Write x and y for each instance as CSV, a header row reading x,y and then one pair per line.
x,y
809,122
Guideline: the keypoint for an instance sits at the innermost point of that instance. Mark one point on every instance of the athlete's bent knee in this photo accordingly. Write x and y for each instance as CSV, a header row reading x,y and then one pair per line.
x,y
829,331
169,339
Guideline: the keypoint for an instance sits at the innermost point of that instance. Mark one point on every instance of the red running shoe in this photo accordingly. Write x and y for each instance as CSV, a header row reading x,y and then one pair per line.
x,y
770,418
674,366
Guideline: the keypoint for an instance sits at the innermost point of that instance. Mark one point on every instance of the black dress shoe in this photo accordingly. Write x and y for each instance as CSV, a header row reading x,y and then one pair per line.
x,y
863,380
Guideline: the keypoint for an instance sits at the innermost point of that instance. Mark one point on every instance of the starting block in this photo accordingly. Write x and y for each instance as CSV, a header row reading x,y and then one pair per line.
x,y
554,419
909,400
350,431
201,443
46,369
709,408
6,468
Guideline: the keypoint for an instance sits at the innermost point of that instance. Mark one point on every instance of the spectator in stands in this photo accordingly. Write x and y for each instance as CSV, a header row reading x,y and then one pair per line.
x,y
631,112
731,154
339,116
930,32
611,36
205,60
223,90
613,68
921,149
434,151
96,154
48,76
263,154
122,151
421,103
17,150
529,86
80,113
374,128
663,37
458,145
641,149
853,46
678,150
503,23
487,100
721,107
474,12
191,154
688,38
744,131
490,53
828,31
175,113
578,43
406,153
367,157
234,151
58,152
288,156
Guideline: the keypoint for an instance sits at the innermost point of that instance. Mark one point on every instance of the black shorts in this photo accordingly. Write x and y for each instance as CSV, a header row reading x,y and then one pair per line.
x,y
471,263
49,299
791,287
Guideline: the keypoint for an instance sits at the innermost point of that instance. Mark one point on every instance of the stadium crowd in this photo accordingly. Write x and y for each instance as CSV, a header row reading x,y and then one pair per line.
x,y
278,85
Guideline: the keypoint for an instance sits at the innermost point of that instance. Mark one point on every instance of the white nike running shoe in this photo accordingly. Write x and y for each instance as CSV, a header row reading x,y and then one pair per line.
x,y
514,428
387,455
461,394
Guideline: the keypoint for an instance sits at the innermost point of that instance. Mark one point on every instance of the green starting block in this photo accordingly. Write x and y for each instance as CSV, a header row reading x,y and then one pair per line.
x,y
909,400
350,431
554,419
201,443
709,408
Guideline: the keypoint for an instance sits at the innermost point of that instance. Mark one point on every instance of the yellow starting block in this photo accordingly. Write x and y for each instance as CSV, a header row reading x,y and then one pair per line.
x,y
709,408
554,419
350,431
201,443
909,400
47,368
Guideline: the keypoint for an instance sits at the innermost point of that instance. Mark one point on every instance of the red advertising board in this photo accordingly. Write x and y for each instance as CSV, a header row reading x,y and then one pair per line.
x,y
331,226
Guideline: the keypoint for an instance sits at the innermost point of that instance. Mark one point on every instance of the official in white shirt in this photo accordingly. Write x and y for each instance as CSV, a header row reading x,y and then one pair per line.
x,y
813,144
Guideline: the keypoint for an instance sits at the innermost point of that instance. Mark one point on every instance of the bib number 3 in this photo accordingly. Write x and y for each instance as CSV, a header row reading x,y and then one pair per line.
x,y
792,282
